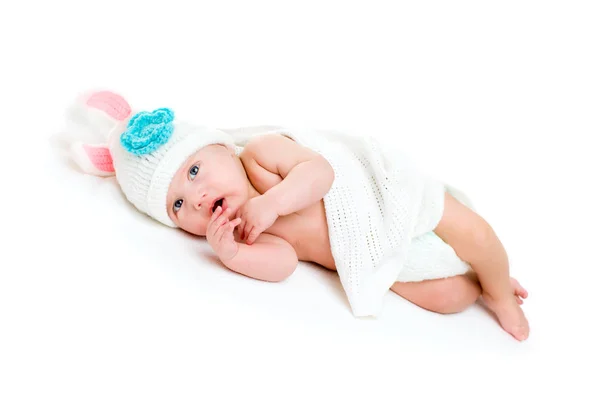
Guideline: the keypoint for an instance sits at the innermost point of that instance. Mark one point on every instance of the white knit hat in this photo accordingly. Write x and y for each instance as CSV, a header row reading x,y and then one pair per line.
x,y
143,150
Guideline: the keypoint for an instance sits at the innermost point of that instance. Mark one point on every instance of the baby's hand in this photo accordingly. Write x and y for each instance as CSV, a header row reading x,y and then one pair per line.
x,y
258,214
219,234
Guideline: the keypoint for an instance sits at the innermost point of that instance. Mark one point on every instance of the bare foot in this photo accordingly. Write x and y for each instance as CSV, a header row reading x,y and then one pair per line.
x,y
509,313
519,291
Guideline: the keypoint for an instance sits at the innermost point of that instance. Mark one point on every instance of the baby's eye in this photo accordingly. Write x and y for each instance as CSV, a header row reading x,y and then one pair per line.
x,y
193,171
177,205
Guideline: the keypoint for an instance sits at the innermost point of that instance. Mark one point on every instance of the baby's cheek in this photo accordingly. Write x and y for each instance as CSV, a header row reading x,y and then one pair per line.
x,y
198,229
201,231
193,225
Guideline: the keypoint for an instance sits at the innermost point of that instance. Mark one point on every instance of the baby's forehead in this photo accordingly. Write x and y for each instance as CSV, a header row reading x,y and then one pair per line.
x,y
203,154
195,156
196,153
205,150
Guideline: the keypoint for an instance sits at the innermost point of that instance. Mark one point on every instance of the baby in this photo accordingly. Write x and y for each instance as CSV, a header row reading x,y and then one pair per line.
x,y
273,198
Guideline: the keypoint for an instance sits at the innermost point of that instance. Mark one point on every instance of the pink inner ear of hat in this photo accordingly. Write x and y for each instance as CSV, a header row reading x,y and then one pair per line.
x,y
100,157
112,104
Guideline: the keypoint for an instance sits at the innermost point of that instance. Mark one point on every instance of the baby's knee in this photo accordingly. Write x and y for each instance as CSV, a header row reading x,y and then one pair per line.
x,y
455,294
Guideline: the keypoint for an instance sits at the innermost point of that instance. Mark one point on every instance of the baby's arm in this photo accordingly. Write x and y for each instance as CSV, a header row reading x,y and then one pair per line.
x,y
270,258
306,175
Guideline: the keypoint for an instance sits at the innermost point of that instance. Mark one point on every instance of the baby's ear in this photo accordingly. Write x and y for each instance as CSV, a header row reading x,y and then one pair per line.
x,y
93,159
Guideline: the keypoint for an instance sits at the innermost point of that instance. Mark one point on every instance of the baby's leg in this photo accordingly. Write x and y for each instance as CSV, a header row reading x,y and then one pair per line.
x,y
475,242
449,295
445,295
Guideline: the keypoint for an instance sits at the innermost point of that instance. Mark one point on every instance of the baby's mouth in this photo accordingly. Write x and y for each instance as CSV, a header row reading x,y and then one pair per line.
x,y
218,203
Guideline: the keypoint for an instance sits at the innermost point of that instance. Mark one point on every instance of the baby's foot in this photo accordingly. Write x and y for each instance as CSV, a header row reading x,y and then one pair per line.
x,y
518,290
509,313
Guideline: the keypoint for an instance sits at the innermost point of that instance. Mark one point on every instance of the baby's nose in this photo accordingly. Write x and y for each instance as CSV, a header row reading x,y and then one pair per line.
x,y
201,201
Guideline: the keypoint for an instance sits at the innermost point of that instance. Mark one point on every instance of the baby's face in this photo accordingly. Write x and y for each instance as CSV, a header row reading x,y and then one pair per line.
x,y
211,177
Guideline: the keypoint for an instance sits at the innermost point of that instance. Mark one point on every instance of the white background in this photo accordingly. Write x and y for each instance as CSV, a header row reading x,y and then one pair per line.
x,y
103,312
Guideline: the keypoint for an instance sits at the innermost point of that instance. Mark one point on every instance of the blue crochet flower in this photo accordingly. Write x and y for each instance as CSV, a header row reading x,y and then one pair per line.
x,y
147,131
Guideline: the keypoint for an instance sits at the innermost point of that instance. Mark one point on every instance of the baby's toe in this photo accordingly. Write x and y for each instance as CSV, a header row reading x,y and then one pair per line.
x,y
518,288
521,333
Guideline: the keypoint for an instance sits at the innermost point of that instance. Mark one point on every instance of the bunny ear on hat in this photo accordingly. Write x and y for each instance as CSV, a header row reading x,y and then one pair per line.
x,y
93,159
90,123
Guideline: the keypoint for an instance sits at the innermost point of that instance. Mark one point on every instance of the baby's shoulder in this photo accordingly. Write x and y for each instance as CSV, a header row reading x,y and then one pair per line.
x,y
265,143
269,150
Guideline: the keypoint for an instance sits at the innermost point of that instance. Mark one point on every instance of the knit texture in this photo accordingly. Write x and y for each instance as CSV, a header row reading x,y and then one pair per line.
x,y
112,104
148,131
381,211
99,157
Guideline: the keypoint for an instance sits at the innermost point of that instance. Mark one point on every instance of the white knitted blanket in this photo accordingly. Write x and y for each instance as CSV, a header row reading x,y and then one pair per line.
x,y
381,211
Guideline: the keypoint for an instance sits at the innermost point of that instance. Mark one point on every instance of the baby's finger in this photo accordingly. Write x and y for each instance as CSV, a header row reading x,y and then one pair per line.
x,y
254,233
221,231
215,215
211,227
247,228
235,231
223,217
217,224
227,212
228,233
241,228
249,233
